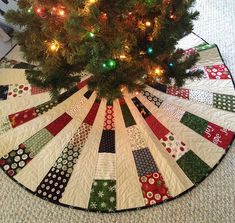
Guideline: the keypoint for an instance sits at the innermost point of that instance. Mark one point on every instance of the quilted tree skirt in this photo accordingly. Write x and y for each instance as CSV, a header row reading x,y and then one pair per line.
x,y
142,150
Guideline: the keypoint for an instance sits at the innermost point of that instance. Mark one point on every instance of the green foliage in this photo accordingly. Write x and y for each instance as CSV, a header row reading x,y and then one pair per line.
x,y
109,39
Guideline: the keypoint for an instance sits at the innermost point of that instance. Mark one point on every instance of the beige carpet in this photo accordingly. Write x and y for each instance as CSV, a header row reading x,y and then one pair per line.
x,y
212,201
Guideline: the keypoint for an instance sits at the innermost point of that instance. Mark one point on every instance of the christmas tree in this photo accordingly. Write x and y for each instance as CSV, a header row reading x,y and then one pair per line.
x,y
124,44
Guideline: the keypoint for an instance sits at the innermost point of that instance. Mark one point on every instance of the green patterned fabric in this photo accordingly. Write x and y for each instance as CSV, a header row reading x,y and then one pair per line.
x,y
203,47
40,109
193,166
195,123
225,102
37,141
103,196
128,118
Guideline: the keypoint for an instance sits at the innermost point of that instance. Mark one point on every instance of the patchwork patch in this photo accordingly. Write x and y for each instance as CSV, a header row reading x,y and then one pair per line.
x,y
160,87
190,52
142,109
224,102
106,166
21,117
193,167
58,124
204,47
3,92
37,141
107,144
88,94
136,139
218,135
18,90
178,92
15,160
5,125
201,97
152,98
53,185
103,196
81,135
158,129
127,116
90,118
173,146
194,122
45,107
68,158
154,189
109,118
217,72
144,161
172,111
37,90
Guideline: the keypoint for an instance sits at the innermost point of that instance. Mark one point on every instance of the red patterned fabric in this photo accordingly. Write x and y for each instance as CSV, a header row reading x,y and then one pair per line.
x,y
56,126
82,84
190,51
218,135
158,129
109,118
217,72
22,117
154,189
90,118
37,90
179,92
122,101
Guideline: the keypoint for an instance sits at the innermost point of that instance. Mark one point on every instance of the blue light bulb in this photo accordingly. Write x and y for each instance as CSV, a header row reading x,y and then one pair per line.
x,y
149,50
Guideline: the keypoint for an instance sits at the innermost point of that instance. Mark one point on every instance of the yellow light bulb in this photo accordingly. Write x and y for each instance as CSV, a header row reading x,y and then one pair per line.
x,y
158,71
148,23
54,46
122,56
61,12
92,1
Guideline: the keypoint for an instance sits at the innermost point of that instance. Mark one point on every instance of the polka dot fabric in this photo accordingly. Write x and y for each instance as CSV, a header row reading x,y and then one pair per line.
x,y
217,72
14,161
18,90
179,92
174,147
154,189
53,185
225,102
85,152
